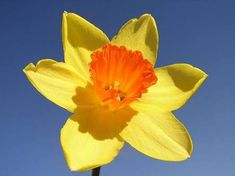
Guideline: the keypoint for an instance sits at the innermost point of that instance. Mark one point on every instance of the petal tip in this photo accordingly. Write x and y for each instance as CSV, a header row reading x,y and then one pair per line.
x,y
65,13
203,74
33,67
29,67
146,15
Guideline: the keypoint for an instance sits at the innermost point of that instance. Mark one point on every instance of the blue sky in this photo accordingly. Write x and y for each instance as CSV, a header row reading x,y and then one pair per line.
x,y
199,32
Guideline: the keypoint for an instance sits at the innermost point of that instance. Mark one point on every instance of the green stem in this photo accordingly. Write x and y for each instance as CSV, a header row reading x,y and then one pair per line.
x,y
96,171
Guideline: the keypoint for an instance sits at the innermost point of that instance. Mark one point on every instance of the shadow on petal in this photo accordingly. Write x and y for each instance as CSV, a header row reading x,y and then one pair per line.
x,y
185,80
98,120
85,98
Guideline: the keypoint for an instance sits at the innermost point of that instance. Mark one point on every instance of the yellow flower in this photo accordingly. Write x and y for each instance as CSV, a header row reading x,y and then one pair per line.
x,y
115,94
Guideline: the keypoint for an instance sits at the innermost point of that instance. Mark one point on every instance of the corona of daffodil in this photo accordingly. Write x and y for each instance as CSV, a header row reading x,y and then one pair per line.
x,y
115,94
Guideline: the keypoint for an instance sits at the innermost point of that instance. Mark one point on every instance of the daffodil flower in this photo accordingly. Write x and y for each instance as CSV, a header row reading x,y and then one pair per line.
x,y
115,94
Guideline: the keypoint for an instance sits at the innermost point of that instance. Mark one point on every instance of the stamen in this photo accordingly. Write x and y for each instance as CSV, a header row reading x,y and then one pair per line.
x,y
120,76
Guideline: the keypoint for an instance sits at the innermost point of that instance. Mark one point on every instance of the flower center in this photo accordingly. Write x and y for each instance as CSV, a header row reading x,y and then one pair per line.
x,y
120,75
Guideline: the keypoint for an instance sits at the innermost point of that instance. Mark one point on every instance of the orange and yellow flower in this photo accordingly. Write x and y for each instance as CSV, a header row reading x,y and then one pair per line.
x,y
115,93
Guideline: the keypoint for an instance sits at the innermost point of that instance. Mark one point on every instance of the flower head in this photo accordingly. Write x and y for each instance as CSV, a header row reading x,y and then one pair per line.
x,y
120,76
115,93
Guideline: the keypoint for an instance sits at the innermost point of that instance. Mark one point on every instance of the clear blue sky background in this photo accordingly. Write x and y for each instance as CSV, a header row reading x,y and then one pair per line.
x,y
200,32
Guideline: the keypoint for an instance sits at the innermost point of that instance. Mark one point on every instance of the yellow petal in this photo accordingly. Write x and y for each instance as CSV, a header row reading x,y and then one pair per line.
x,y
57,81
158,135
89,139
176,84
80,38
140,34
